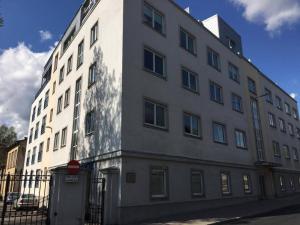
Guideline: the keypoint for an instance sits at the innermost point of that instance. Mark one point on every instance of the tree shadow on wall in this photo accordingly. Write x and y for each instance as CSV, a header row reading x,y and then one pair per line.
x,y
104,97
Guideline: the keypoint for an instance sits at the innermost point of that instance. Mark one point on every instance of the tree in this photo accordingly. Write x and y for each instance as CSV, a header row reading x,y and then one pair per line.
x,y
7,135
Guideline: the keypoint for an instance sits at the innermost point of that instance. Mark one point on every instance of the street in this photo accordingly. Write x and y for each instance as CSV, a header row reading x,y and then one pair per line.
x,y
286,216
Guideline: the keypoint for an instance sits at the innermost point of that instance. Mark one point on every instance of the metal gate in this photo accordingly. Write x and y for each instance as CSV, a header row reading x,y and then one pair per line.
x,y
25,199
95,202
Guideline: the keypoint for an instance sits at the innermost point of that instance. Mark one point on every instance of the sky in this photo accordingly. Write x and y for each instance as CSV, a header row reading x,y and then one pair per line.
x,y
270,30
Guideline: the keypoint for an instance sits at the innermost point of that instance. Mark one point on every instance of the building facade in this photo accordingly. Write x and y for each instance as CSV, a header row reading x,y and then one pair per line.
x,y
170,104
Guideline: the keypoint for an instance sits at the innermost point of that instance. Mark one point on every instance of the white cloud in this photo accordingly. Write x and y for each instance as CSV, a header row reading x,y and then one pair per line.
x,y
45,35
274,14
20,78
294,95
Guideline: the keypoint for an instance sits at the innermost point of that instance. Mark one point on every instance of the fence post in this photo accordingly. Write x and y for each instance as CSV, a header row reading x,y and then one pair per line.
x,y
5,199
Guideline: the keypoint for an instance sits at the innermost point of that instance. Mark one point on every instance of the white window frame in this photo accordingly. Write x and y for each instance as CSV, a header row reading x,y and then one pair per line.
x,y
191,117
64,133
154,54
155,104
164,172
189,74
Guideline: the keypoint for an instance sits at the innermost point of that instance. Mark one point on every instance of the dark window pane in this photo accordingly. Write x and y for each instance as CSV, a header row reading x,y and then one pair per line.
x,y
185,78
193,82
160,116
148,60
187,124
182,39
149,113
158,22
159,65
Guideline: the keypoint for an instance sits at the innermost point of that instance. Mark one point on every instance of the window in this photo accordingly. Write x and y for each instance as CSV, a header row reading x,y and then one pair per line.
x,y
53,87
219,133
247,184
46,101
92,74
154,62
55,62
30,136
94,34
153,18
291,129
155,114
43,127
282,125
69,39
278,103
39,107
269,97
213,59
90,122
276,149
225,183
36,132
61,74
64,137
59,104
286,152
287,108
33,156
295,114
216,94
158,183
40,153
80,54
240,139
191,125
187,41
37,178
28,158
295,154
67,98
233,73
197,183
56,141
237,104
30,179
272,120
48,145
189,80
282,183
251,86
70,64
33,114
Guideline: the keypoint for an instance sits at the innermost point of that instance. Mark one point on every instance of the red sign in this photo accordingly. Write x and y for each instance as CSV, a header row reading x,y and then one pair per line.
x,y
73,167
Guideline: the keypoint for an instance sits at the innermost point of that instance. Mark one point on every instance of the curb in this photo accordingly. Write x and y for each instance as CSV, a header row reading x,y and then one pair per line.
x,y
261,214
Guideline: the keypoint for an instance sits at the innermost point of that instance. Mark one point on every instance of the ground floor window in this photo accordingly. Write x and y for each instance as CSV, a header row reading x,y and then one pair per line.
x,y
282,183
247,183
197,183
225,183
158,182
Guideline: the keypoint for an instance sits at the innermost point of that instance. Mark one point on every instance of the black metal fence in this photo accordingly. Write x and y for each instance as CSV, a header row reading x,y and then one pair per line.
x,y
96,198
25,198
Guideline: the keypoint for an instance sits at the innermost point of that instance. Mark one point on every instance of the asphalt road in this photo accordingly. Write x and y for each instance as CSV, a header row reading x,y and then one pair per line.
x,y
286,216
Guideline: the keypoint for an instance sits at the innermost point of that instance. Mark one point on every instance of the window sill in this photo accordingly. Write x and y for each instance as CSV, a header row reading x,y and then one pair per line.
x,y
198,196
215,68
157,198
238,111
191,90
242,148
156,127
66,105
192,136
164,77
92,44
220,103
78,66
160,33
91,85
62,146
221,143
186,50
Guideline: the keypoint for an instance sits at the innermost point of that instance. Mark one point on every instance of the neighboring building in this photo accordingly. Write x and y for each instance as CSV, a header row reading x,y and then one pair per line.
x,y
170,104
14,164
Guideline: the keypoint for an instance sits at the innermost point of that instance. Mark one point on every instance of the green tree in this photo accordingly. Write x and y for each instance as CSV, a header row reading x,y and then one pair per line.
x,y
7,135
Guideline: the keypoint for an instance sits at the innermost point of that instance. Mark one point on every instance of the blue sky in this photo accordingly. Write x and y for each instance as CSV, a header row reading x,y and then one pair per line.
x,y
270,31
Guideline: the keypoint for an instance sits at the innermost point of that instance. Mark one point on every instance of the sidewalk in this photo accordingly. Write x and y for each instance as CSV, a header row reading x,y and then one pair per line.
x,y
217,216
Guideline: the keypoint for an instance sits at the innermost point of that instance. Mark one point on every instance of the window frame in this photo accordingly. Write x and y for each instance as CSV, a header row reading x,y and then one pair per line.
x,y
93,67
244,139
94,33
63,139
70,64
250,80
249,191
286,152
90,114
59,105
67,97
163,196
238,79
154,11
153,70
213,52
275,153
224,133
166,118
201,174
199,125
61,74
241,110
221,102
272,116
189,74
187,36
56,141
80,54
229,185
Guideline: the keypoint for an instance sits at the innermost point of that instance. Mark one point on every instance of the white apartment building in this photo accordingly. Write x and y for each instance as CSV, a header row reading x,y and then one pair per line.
x,y
170,104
